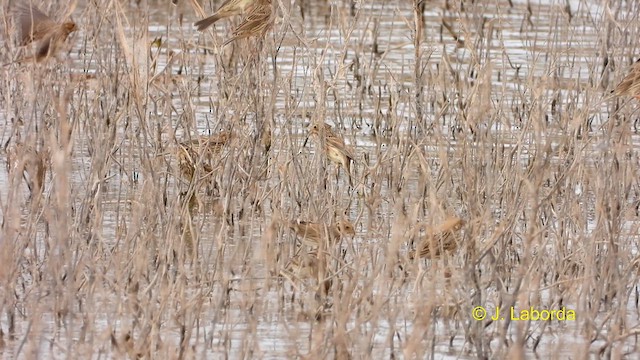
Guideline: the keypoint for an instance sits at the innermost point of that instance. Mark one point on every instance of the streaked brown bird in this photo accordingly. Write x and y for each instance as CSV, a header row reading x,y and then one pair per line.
x,y
255,24
32,164
200,153
227,9
334,147
312,234
438,240
630,84
35,26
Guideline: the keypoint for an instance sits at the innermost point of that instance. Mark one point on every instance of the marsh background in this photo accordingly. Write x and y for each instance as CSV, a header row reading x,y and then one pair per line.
x,y
494,111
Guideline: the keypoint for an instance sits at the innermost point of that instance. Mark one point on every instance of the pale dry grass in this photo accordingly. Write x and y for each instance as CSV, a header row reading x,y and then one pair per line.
x,y
107,249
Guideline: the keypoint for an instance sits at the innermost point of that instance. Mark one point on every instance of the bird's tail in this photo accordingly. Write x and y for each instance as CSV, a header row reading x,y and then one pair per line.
x,y
206,22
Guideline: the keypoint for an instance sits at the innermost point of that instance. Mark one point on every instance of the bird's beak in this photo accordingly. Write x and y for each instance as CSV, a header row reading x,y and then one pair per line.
x,y
305,141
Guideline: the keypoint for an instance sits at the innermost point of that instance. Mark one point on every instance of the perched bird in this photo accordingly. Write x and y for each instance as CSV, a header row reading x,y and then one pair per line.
x,y
439,240
35,26
313,233
334,147
630,84
31,163
227,9
265,136
326,129
256,23
199,152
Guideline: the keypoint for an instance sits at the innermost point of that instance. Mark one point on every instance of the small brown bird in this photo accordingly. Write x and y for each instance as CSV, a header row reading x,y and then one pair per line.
x,y
227,9
32,164
439,240
256,23
265,136
200,152
630,84
334,147
35,26
312,234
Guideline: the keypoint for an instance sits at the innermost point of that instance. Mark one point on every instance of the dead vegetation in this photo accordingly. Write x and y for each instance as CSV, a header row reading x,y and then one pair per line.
x,y
153,178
